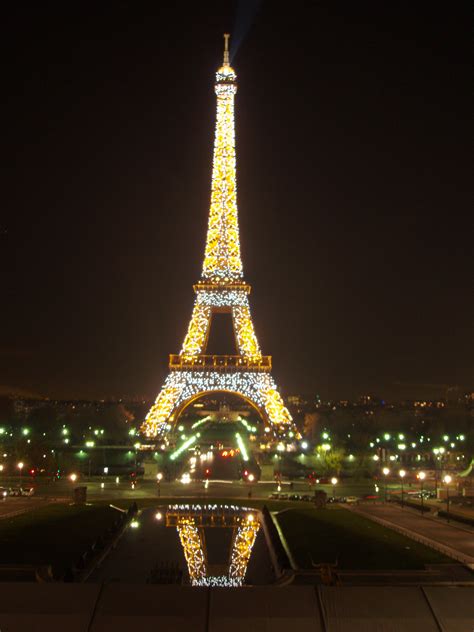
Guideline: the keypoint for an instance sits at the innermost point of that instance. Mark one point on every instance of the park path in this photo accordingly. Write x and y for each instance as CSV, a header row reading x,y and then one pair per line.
x,y
11,507
434,531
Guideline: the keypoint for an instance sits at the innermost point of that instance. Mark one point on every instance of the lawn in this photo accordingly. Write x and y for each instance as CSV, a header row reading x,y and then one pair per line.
x,y
337,535
56,535
59,534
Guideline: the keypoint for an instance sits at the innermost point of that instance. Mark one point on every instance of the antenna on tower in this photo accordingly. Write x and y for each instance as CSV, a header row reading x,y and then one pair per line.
x,y
226,49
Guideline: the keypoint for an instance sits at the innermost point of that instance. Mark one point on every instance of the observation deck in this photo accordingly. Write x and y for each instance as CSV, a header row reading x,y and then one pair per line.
x,y
212,286
219,363
210,516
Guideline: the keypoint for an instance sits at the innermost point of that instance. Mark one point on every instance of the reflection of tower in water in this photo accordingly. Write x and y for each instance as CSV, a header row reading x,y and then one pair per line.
x,y
192,522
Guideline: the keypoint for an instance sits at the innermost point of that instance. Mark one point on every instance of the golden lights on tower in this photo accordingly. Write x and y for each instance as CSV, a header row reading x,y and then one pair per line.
x,y
222,289
191,522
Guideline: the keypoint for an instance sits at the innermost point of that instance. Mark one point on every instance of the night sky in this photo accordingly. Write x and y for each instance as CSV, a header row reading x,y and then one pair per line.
x,y
353,174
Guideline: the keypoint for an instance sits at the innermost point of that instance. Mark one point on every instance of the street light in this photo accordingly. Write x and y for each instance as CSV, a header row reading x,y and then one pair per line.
x,y
447,479
159,477
386,472
402,474
422,476
334,483
20,466
73,477
250,479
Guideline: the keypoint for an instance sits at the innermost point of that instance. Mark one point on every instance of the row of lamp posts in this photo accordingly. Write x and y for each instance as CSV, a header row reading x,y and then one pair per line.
x,y
421,477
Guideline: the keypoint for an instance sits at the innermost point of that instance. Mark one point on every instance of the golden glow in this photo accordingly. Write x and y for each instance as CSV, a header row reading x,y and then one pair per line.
x,y
244,332
276,410
197,331
242,548
222,261
221,289
193,548
191,522
155,421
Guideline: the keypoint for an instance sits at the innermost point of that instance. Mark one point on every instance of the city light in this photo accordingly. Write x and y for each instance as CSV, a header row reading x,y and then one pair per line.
x,y
447,479
386,471
73,477
422,476
134,524
402,473
159,515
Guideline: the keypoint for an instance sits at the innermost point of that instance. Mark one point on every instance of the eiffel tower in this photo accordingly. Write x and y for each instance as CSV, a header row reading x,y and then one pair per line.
x,y
221,289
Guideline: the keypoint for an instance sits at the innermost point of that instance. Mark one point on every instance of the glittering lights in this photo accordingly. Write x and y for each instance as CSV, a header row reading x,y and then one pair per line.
x,y
242,448
183,386
191,521
221,289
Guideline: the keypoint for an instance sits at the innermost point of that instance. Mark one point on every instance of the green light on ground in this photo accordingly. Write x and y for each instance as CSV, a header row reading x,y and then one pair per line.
x,y
242,448
183,447
200,422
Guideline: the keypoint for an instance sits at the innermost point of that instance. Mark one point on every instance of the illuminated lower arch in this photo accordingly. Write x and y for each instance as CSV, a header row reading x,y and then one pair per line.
x,y
182,407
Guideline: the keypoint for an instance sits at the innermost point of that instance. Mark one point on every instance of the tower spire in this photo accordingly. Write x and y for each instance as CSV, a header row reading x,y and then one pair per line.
x,y
222,261
226,49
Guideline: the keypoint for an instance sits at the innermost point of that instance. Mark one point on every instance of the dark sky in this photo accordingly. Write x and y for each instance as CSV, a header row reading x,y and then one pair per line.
x,y
353,172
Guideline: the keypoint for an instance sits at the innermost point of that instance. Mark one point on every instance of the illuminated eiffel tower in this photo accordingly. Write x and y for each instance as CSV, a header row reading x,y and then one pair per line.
x,y
221,289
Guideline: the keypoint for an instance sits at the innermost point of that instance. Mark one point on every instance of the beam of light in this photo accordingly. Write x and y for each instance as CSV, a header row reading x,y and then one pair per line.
x,y
242,448
183,447
200,422
244,18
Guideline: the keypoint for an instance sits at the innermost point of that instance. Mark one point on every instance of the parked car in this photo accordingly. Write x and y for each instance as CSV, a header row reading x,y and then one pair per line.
x,y
294,497
283,496
274,495
19,491
352,499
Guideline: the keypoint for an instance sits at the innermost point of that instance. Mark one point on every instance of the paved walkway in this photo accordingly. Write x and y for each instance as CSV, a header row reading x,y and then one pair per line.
x,y
437,531
10,507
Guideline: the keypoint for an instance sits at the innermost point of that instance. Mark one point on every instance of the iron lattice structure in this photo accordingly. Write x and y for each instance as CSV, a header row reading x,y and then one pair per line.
x,y
221,289
191,522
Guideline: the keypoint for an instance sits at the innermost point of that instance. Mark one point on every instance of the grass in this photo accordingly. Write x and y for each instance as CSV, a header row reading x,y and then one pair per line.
x,y
331,534
335,534
56,535
59,534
